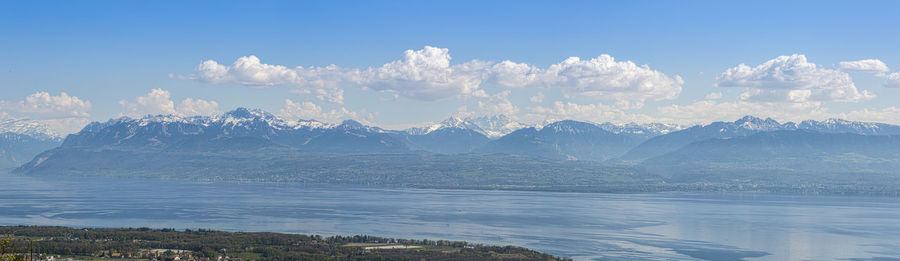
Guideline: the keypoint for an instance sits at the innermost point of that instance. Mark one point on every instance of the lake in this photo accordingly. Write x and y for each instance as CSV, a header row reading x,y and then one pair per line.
x,y
583,226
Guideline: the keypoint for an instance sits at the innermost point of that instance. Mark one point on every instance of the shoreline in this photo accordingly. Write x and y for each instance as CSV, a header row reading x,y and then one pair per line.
x,y
89,243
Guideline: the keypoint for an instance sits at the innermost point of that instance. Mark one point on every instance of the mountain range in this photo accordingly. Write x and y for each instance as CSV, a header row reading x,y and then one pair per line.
x,y
721,151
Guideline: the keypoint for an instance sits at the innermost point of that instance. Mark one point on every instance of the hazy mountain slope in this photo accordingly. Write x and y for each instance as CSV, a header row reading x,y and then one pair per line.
x,y
780,156
564,140
287,165
446,140
17,149
748,125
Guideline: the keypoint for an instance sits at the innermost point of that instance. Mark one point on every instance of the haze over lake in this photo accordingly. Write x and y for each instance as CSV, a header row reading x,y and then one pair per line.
x,y
582,226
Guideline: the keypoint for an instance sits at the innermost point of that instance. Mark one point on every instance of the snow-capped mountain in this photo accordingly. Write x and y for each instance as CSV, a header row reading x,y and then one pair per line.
x,y
770,155
845,126
28,127
452,122
497,125
648,129
573,140
239,129
489,126
750,125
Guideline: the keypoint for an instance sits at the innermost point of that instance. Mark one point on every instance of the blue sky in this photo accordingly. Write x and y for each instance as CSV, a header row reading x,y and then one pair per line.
x,y
114,58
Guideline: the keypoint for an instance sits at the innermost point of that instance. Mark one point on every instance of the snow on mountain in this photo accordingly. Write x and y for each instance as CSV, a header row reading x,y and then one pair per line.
x,y
239,129
28,127
845,126
758,124
497,125
749,125
491,126
646,129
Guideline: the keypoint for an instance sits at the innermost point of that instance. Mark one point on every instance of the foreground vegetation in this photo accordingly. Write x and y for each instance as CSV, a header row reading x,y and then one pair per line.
x,y
167,244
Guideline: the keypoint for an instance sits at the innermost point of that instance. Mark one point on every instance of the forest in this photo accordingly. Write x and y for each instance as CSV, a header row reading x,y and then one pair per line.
x,y
39,242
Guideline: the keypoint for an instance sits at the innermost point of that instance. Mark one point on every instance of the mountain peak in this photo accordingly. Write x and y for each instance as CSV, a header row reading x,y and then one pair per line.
x,y
245,113
352,124
756,123
569,126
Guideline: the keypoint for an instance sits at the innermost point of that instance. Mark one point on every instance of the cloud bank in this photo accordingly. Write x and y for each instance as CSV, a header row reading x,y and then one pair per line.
x,y
791,79
428,75
159,102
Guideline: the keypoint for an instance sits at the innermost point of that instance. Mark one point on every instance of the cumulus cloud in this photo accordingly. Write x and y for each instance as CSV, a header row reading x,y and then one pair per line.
x,y
64,126
892,80
709,111
497,104
586,112
874,66
159,101
310,111
713,96
250,71
537,98
190,106
43,105
428,75
424,74
600,77
886,115
791,79
61,113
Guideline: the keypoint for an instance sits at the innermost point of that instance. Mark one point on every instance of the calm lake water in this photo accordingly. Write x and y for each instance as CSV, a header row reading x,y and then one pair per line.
x,y
582,226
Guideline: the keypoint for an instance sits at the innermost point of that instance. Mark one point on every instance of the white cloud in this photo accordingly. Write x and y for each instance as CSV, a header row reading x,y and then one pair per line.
x,y
65,126
190,106
43,105
497,104
62,113
310,111
428,75
791,79
713,96
325,81
893,80
424,74
874,66
585,112
537,98
159,101
889,115
250,71
601,77
708,111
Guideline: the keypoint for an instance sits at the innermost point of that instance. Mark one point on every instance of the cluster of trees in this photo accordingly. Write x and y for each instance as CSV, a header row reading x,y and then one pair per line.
x,y
259,245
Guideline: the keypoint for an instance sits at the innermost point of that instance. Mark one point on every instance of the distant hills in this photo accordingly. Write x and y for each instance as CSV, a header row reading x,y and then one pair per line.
x,y
253,143
568,140
801,156
748,125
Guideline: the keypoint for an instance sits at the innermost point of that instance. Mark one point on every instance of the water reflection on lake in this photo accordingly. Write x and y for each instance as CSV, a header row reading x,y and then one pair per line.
x,y
577,225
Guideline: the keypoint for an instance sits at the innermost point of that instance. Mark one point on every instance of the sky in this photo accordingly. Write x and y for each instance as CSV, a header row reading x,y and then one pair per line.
x,y
398,64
